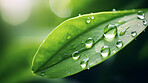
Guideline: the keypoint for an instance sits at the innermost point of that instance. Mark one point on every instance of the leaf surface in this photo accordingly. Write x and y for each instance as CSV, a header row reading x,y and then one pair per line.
x,y
85,41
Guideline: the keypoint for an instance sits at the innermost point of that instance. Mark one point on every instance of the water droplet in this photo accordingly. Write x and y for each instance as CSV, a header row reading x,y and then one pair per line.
x,y
114,10
42,73
88,21
92,17
145,22
105,51
89,43
75,55
140,15
133,33
68,37
123,31
121,22
84,63
119,44
79,14
110,31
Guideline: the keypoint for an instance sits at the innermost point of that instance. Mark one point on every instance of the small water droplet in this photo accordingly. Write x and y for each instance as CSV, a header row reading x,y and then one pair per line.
x,y
88,21
123,31
68,37
145,22
133,33
79,14
110,31
89,43
92,17
75,55
140,15
84,63
119,44
42,73
114,10
121,22
105,51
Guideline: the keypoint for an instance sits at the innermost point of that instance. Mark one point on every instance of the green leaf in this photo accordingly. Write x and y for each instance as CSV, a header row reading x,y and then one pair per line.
x,y
85,41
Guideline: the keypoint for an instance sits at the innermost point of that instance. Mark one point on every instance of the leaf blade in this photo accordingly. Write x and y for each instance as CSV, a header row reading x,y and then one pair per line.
x,y
56,51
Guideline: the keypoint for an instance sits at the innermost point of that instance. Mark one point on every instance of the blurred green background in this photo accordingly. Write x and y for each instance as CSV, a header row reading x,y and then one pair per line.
x,y
24,24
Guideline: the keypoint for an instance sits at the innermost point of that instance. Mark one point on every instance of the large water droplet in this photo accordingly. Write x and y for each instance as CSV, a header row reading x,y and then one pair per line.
x,y
110,31
89,43
140,15
84,63
75,55
105,51
145,22
119,44
133,33
42,73
123,31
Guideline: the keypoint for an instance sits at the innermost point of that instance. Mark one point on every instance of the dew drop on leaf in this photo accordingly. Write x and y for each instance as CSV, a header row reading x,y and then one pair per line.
x,y
88,21
89,43
133,33
84,63
75,55
145,22
123,31
79,14
110,31
140,15
119,44
105,51
114,10
92,17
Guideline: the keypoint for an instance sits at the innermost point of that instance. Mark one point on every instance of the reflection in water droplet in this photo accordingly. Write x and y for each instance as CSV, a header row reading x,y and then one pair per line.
x,y
114,51
88,21
89,43
145,22
105,51
84,63
123,31
119,44
140,15
133,33
110,31
42,73
68,37
75,55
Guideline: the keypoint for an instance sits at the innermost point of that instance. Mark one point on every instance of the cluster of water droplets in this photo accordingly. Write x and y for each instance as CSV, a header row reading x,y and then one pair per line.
x,y
110,31
141,16
89,19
